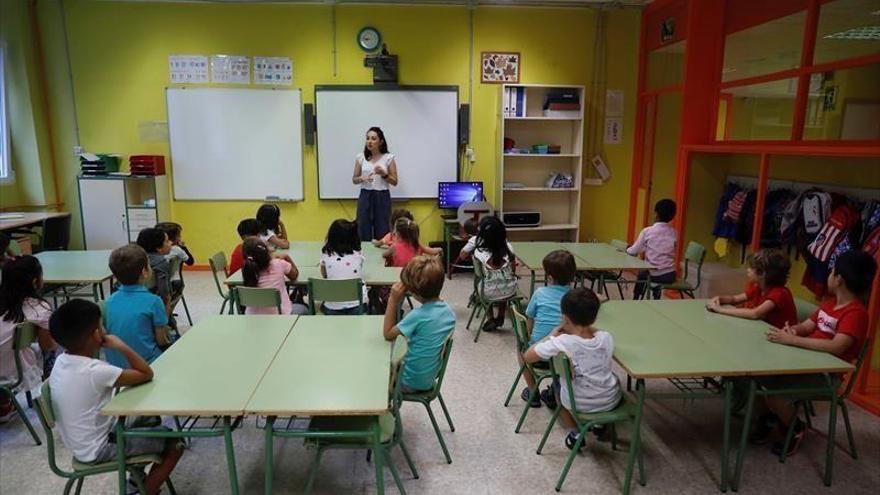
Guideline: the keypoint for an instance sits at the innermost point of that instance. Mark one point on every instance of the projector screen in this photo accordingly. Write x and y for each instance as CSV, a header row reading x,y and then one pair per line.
x,y
235,143
420,126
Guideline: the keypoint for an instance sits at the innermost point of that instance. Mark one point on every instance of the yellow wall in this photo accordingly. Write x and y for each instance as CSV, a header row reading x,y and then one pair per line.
x,y
120,72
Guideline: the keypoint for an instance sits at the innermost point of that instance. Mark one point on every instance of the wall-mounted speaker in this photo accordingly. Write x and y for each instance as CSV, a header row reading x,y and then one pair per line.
x,y
464,123
309,123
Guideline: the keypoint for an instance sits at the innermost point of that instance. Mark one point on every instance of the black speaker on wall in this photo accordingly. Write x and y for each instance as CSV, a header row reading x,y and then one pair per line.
x,y
309,123
464,123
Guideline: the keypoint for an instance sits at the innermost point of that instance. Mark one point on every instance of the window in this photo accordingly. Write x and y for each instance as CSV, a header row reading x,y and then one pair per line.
x,y
5,168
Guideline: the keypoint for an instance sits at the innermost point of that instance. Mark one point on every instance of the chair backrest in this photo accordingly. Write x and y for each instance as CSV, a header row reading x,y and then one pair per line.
x,y
804,309
23,335
520,329
56,234
254,297
218,264
851,380
618,244
695,253
562,369
46,413
175,266
339,290
444,361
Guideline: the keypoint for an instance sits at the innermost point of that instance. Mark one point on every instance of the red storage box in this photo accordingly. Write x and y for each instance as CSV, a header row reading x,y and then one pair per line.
x,y
147,164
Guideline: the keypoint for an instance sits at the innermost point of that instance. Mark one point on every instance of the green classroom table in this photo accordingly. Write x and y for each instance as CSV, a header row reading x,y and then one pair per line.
x,y
77,268
589,256
212,370
329,366
679,339
374,276
308,253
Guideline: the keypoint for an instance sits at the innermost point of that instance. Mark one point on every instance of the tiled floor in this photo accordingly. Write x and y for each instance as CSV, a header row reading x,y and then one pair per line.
x,y
681,442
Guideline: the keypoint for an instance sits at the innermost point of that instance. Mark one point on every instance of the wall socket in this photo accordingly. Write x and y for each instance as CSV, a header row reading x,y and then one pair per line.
x,y
77,150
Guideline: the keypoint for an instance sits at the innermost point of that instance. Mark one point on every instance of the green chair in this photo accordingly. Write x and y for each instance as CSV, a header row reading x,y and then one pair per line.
x,y
425,398
24,334
355,432
253,297
479,303
695,253
80,471
804,309
804,396
342,290
521,332
177,268
605,276
218,265
625,412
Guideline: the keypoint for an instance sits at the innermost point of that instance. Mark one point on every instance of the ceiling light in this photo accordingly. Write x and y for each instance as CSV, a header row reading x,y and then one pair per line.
x,y
871,33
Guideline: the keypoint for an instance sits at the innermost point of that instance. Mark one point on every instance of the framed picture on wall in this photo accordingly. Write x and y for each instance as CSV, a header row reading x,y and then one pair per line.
x,y
500,67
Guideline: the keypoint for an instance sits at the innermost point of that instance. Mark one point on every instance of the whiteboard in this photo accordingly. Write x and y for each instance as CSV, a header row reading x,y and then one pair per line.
x,y
235,144
420,126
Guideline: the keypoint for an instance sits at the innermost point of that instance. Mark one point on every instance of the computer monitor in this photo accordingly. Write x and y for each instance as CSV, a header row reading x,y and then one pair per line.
x,y
451,195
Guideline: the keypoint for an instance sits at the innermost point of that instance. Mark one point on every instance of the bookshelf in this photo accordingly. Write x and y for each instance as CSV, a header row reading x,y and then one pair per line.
x,y
560,208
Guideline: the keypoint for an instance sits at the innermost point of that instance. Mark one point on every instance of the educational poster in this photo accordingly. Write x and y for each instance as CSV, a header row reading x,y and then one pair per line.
x,y
613,130
500,67
234,69
188,69
273,70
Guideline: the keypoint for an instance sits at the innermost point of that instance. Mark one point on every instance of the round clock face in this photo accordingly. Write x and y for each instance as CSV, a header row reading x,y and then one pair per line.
x,y
369,39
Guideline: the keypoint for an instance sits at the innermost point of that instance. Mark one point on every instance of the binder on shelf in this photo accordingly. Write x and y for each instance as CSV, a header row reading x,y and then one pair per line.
x,y
521,102
505,97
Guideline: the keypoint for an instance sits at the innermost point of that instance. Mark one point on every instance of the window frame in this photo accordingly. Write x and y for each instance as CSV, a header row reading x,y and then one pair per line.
x,y
7,175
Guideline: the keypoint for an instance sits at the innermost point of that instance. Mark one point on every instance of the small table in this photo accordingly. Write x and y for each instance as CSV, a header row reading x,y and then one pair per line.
x,y
678,339
329,366
212,370
77,268
15,220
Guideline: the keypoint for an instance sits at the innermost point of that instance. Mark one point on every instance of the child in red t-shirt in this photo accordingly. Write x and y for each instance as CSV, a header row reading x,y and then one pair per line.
x,y
839,327
249,227
766,297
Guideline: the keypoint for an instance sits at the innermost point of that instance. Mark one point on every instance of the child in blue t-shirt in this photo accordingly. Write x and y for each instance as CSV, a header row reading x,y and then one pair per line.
x,y
544,311
426,327
133,313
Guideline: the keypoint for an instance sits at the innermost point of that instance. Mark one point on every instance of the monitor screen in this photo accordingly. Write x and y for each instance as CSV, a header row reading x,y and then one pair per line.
x,y
452,194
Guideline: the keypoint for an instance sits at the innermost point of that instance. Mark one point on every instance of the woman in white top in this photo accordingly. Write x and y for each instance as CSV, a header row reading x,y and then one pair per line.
x,y
375,170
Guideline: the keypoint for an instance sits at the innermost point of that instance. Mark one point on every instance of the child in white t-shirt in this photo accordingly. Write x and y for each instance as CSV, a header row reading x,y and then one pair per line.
x,y
273,232
594,385
341,259
81,386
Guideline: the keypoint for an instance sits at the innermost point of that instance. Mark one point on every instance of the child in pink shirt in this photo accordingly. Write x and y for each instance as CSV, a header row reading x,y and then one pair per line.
x,y
405,245
262,270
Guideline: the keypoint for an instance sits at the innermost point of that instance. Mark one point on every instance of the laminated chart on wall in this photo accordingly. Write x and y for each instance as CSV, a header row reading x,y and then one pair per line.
x,y
188,69
273,70
234,69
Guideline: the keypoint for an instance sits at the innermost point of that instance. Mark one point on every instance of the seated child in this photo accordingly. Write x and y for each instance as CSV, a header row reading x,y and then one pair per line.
x,y
406,244
133,313
426,327
544,313
766,297
20,301
838,327
156,244
389,238
658,243
594,385
495,255
341,258
262,270
249,227
272,230
82,386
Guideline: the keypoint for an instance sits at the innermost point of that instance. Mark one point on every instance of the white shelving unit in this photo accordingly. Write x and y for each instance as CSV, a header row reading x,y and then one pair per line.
x,y
114,208
560,208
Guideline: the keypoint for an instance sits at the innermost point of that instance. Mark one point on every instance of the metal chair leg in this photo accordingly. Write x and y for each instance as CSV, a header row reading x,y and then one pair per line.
x,y
313,469
79,485
439,434
513,387
446,412
412,466
849,433
393,470
25,420
186,310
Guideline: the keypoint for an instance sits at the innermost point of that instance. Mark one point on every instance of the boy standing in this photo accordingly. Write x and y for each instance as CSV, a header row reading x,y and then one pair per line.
x,y
132,313
839,327
82,386
426,327
658,243
544,313
594,386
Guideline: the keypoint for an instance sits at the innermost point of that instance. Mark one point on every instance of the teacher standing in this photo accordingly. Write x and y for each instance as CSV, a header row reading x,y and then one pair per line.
x,y
375,170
